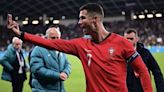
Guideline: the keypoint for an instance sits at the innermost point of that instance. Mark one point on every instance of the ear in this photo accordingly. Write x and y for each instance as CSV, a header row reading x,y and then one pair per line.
x,y
95,18
137,39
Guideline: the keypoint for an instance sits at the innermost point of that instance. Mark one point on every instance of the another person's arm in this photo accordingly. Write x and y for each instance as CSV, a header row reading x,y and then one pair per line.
x,y
5,60
5,63
67,67
156,71
138,65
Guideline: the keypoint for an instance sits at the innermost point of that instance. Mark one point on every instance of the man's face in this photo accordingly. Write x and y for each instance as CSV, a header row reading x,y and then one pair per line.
x,y
131,37
17,45
85,21
53,34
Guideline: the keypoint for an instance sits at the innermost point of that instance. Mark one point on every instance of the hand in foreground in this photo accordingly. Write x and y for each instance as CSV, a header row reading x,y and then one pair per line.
x,y
63,76
13,25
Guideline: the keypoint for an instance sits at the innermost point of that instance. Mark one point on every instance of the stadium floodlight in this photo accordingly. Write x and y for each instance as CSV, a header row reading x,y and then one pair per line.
x,y
63,17
56,21
40,18
150,16
123,12
142,13
134,17
35,22
27,18
146,11
25,22
51,18
141,16
16,18
159,39
47,22
158,15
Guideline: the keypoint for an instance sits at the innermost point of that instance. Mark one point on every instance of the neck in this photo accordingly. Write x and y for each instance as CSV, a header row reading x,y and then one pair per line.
x,y
100,34
135,46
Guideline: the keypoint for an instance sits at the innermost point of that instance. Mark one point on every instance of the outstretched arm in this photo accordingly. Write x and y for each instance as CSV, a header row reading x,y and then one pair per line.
x,y
65,46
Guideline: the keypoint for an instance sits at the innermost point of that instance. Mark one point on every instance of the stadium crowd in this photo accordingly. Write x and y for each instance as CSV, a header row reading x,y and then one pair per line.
x,y
150,31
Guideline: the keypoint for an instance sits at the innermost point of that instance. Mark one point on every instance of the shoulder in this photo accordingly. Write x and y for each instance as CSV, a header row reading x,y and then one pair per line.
x,y
38,50
10,47
63,54
80,42
10,50
142,48
119,39
81,39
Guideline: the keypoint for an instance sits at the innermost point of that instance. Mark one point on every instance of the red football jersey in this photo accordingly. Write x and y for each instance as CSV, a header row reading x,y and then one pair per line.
x,y
104,63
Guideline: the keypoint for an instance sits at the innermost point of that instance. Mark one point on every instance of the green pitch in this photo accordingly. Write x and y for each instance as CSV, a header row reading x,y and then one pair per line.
x,y
76,81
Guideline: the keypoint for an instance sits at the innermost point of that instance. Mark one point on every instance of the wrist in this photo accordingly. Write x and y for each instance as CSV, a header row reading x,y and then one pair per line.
x,y
21,35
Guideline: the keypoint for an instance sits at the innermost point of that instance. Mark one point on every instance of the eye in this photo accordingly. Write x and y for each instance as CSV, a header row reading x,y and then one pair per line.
x,y
54,37
130,38
82,17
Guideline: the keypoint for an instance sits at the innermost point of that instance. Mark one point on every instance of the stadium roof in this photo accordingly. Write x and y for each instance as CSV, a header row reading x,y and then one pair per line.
x,y
69,8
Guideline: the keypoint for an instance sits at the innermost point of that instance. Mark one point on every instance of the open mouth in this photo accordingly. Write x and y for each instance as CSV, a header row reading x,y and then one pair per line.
x,y
84,30
81,26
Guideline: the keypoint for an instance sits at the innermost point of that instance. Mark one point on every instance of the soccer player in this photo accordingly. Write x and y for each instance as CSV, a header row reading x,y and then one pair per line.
x,y
104,56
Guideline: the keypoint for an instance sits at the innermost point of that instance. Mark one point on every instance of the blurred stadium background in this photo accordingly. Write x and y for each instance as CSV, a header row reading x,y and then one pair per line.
x,y
34,16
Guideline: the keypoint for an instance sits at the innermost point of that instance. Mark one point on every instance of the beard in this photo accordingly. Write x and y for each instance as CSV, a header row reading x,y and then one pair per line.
x,y
87,29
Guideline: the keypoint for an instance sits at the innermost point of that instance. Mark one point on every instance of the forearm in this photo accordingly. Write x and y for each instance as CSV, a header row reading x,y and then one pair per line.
x,y
45,73
156,71
67,70
67,66
59,44
140,68
6,64
158,77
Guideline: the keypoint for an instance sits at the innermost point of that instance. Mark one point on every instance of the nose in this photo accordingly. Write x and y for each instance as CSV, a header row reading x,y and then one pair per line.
x,y
79,22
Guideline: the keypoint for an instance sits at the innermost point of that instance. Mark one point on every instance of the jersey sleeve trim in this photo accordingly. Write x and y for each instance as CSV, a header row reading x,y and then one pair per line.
x,y
132,57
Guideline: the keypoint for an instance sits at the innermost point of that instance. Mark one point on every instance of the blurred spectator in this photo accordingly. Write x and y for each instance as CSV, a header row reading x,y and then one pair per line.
x,y
49,68
133,81
149,30
14,66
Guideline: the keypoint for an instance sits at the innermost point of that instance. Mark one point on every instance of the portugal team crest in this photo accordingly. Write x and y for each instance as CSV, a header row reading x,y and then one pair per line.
x,y
111,51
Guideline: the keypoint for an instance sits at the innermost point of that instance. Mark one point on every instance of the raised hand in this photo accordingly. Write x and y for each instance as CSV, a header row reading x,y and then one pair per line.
x,y
14,26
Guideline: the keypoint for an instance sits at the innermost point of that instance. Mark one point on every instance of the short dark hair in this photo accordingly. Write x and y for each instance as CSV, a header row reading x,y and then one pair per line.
x,y
131,30
93,8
